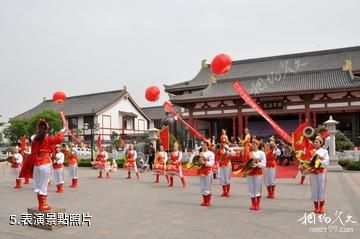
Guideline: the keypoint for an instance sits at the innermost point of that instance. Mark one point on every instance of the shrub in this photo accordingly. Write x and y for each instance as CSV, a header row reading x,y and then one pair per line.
x,y
342,142
353,165
343,163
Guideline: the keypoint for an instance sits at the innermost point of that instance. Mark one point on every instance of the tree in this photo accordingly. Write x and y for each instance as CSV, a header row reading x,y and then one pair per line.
x,y
16,129
53,118
342,142
20,127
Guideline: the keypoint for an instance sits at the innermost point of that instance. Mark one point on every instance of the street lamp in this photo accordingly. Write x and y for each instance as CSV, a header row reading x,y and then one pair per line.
x,y
92,134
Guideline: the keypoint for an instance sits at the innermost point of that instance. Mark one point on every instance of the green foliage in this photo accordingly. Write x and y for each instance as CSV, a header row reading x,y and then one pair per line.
x,y
52,117
16,129
20,127
342,142
172,140
353,165
344,163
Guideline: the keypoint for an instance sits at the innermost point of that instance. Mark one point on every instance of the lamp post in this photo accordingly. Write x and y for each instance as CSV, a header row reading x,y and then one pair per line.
x,y
331,126
92,134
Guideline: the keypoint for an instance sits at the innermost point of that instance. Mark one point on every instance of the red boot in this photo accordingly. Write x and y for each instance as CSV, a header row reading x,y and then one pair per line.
x,y
157,178
183,182
302,179
58,188
257,204
137,175
204,201
228,190
129,175
26,181
272,191
322,207
224,191
100,175
167,178
269,191
61,188
253,203
107,175
316,207
76,182
208,200
18,183
73,183
42,203
171,182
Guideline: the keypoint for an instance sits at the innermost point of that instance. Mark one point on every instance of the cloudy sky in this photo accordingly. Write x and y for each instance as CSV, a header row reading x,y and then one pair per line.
x,y
86,46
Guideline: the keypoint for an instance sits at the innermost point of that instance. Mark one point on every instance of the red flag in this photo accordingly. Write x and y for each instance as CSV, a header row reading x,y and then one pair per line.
x,y
164,137
23,143
251,102
302,143
99,143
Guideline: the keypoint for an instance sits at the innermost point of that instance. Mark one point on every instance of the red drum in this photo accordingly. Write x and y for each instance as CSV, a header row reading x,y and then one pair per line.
x,y
172,170
98,165
158,169
129,166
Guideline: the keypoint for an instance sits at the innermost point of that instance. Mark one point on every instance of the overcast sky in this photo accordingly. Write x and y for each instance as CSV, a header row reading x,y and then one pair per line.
x,y
87,46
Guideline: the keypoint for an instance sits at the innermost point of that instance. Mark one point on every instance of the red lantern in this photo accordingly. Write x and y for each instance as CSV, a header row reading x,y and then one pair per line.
x,y
221,64
152,93
59,97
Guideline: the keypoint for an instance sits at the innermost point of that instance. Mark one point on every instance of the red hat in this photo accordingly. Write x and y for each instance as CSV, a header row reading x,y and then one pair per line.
x,y
42,121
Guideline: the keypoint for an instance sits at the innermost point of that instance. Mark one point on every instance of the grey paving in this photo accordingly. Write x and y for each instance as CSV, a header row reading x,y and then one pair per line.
x,y
123,208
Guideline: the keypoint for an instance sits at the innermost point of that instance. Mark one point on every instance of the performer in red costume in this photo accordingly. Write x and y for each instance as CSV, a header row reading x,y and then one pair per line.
x,y
174,166
16,162
223,157
59,169
205,172
160,164
131,162
270,169
38,164
73,167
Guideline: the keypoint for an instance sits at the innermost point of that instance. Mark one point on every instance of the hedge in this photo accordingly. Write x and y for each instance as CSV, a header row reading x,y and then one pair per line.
x,y
353,165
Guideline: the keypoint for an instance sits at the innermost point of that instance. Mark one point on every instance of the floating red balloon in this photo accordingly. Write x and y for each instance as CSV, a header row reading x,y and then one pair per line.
x,y
152,93
221,64
59,97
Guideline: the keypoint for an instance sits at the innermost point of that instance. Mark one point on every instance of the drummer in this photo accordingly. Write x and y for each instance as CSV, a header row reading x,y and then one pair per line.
x,y
160,163
174,166
130,164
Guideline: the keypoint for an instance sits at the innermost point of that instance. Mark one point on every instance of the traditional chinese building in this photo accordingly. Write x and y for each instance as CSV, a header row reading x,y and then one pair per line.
x,y
290,88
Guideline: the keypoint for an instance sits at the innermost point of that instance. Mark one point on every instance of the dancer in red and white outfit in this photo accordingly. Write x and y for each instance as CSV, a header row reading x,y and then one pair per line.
x,y
160,164
16,162
130,164
223,156
206,173
59,169
73,167
104,168
318,176
174,166
256,174
270,170
38,164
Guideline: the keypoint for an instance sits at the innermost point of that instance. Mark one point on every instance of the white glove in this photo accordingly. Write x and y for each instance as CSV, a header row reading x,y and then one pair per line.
x,y
63,130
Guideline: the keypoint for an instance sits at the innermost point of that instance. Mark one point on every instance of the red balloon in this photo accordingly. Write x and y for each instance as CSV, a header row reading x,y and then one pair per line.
x,y
152,93
59,97
221,64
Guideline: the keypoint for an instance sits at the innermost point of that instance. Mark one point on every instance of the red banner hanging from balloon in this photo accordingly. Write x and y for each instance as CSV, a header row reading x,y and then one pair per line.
x,y
99,143
164,137
251,102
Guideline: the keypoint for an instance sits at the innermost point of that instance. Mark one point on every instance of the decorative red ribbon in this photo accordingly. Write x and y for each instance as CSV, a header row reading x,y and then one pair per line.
x,y
251,102
168,107
67,127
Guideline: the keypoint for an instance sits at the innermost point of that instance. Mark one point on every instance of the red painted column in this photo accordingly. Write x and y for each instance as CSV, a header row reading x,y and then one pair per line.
x,y
234,127
191,122
314,119
240,123
196,123
246,121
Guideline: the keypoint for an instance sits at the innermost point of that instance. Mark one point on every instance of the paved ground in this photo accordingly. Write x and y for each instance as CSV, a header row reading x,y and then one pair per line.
x,y
141,209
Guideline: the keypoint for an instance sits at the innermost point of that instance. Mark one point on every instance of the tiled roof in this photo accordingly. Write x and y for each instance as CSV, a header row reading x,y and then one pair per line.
x,y
321,70
78,105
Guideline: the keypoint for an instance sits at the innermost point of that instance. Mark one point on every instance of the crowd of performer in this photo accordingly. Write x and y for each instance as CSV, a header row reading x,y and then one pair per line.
x,y
48,157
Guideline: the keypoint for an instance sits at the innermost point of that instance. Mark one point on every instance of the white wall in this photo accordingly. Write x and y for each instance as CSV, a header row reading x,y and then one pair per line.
x,y
116,120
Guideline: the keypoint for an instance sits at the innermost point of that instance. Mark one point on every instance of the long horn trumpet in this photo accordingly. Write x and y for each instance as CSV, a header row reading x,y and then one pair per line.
x,y
308,132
